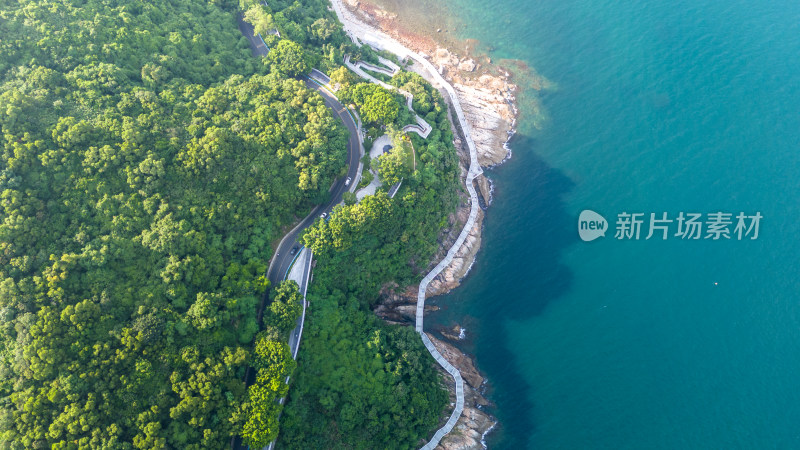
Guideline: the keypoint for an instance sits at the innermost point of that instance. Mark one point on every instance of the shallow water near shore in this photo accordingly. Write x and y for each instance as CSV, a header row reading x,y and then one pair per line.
x,y
660,107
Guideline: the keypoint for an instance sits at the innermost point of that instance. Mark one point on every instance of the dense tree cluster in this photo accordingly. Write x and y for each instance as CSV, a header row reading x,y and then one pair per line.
x,y
273,363
377,105
343,77
308,23
363,384
147,163
289,58
397,163
284,309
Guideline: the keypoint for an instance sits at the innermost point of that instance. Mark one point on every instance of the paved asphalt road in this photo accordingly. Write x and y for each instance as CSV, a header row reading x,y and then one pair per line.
x,y
282,258
256,44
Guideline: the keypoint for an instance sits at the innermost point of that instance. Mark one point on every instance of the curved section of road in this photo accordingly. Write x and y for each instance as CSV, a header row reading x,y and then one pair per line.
x,y
356,29
283,259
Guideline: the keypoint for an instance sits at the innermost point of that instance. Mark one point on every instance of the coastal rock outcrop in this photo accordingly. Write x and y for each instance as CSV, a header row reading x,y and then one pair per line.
x,y
487,100
473,424
485,91
451,276
467,65
484,189
399,307
487,108
487,97
461,361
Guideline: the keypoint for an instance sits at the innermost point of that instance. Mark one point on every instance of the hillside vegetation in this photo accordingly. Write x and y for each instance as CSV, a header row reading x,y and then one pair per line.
x,y
148,165
148,161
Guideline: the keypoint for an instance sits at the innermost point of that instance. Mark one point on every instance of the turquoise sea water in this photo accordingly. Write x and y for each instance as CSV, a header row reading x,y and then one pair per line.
x,y
681,105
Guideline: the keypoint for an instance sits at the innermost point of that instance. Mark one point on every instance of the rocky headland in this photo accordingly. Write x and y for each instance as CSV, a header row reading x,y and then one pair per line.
x,y
485,90
487,96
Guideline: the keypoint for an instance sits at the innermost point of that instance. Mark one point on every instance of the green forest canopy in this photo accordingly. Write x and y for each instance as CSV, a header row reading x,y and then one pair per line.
x,y
360,383
148,161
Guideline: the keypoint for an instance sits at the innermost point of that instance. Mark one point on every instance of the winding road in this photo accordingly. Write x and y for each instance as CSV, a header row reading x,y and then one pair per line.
x,y
422,128
282,259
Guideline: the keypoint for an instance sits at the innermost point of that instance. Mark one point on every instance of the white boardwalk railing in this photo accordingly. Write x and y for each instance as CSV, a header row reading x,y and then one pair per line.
x,y
422,128
355,29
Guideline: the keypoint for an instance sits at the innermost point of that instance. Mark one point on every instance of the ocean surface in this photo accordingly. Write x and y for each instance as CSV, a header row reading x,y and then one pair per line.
x,y
655,106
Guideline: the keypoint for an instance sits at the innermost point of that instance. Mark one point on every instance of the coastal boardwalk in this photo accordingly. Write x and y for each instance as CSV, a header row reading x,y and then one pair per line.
x,y
357,30
422,128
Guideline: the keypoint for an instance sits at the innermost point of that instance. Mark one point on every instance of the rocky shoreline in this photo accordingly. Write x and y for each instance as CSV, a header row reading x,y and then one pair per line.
x,y
474,423
485,90
487,96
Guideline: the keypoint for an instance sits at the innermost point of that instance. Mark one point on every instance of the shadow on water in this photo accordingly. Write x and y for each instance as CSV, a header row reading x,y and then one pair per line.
x,y
518,273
